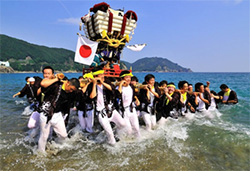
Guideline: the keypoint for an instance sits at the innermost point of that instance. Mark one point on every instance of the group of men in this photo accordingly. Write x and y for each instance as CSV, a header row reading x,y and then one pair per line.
x,y
95,97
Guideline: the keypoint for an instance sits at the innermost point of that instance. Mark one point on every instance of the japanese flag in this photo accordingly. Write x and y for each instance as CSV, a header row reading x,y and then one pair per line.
x,y
85,50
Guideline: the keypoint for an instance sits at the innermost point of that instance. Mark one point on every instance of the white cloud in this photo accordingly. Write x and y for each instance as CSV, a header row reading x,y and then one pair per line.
x,y
233,1
238,1
73,21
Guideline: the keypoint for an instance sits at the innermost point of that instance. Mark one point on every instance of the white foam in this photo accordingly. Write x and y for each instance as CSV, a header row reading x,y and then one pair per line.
x,y
27,111
173,135
24,102
212,118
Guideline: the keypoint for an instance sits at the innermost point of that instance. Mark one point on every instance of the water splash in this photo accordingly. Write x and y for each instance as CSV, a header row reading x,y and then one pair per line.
x,y
23,102
27,111
85,151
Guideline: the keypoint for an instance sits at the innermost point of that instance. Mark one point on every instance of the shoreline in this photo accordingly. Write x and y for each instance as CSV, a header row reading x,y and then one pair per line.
x,y
20,72
23,72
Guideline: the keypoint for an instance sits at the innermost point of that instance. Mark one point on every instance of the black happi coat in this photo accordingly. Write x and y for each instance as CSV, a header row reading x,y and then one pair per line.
x,y
163,110
190,100
83,101
38,81
64,100
232,95
37,85
30,91
144,101
207,96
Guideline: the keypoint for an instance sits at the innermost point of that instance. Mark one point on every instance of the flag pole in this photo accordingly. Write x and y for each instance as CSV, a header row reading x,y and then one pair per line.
x,y
81,35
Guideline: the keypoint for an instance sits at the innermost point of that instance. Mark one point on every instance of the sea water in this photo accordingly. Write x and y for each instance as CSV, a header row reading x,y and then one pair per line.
x,y
218,142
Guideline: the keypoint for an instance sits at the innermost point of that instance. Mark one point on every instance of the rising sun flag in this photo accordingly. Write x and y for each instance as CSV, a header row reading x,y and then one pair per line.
x,y
85,50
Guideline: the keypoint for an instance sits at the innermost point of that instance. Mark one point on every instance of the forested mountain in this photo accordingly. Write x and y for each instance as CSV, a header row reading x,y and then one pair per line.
x,y
157,64
24,56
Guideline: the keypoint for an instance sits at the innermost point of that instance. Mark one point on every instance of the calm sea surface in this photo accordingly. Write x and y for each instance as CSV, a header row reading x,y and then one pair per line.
x,y
201,143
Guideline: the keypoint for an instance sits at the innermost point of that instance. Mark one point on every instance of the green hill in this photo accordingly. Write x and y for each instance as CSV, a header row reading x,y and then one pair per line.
x,y
125,65
157,64
24,56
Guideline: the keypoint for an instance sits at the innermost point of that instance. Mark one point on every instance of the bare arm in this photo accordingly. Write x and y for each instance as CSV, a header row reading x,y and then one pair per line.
x,y
137,102
93,92
167,95
191,107
196,100
215,96
85,87
153,92
208,84
120,86
232,101
47,82
104,84
16,94
204,100
107,86
39,91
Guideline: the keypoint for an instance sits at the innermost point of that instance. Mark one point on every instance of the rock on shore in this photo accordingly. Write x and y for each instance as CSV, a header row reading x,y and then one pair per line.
x,y
4,69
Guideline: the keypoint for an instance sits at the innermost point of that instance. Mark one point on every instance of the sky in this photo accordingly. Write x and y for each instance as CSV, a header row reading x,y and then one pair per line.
x,y
204,35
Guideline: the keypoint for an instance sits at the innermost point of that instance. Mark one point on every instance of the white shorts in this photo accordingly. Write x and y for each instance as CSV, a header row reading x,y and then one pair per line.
x,y
88,121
